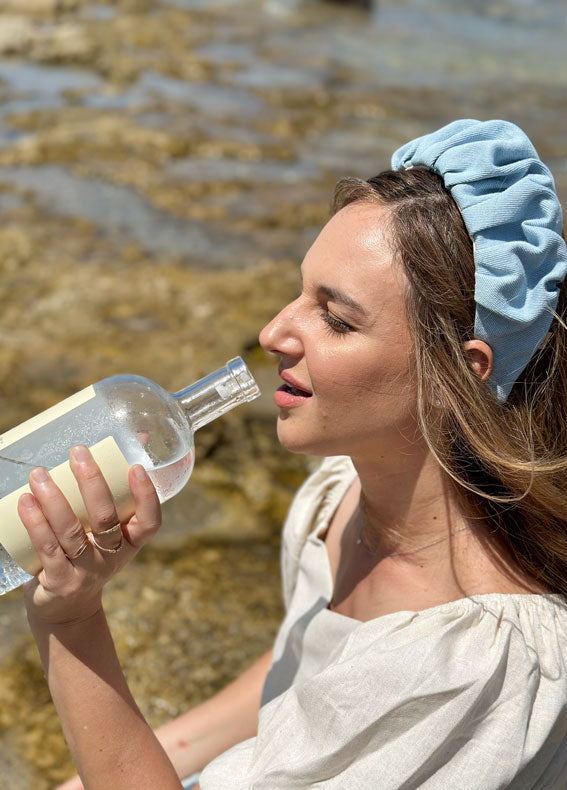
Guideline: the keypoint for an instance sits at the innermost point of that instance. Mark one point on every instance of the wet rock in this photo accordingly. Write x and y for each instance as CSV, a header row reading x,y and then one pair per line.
x,y
16,35
66,43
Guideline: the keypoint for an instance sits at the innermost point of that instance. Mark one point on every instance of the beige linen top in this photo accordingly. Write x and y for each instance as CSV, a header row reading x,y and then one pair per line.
x,y
468,695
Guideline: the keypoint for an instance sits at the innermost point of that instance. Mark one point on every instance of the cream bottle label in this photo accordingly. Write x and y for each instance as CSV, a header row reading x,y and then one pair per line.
x,y
114,466
31,425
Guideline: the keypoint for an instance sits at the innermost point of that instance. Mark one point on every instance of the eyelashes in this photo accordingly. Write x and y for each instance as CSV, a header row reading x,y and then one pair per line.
x,y
334,324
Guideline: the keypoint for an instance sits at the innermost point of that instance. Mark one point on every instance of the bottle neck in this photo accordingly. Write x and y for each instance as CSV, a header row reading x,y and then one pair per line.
x,y
217,393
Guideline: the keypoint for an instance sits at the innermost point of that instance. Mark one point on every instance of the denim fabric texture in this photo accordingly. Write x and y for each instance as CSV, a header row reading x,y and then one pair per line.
x,y
509,205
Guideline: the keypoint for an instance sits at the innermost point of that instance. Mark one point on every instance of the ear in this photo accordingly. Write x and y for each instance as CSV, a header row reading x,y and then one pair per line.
x,y
479,355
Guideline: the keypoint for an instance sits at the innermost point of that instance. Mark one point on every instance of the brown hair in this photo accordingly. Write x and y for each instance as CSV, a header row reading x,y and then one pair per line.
x,y
509,461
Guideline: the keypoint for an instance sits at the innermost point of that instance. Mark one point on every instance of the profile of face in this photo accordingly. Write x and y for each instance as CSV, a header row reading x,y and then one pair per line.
x,y
344,344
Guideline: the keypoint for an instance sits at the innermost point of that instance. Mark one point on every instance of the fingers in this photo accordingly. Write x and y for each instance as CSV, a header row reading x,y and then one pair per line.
x,y
76,567
51,516
100,507
99,504
59,533
42,537
101,511
147,520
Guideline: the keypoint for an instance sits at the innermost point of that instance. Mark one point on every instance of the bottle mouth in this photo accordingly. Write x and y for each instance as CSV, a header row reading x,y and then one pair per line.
x,y
243,378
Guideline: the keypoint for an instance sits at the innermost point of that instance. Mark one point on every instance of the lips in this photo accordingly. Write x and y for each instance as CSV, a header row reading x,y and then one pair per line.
x,y
290,394
293,386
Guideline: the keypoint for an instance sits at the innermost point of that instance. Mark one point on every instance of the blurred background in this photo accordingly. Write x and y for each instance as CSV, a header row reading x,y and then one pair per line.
x,y
163,168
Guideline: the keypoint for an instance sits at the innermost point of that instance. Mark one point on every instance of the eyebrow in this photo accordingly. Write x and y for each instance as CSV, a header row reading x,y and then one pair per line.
x,y
336,295
339,296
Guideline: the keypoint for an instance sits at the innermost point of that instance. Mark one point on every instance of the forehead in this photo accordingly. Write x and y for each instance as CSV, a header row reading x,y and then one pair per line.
x,y
354,252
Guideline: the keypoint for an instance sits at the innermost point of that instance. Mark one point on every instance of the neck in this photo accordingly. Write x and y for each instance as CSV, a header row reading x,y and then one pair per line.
x,y
406,502
424,548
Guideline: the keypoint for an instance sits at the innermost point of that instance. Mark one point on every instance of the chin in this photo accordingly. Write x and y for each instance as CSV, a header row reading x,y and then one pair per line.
x,y
295,441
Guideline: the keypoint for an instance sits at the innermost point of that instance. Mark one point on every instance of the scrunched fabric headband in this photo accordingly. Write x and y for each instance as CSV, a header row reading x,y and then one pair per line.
x,y
509,205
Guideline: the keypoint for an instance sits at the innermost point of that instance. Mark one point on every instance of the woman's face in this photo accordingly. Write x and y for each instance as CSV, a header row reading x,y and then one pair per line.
x,y
344,344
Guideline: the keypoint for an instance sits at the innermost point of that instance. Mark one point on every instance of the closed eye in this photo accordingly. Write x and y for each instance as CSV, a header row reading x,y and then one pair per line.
x,y
334,324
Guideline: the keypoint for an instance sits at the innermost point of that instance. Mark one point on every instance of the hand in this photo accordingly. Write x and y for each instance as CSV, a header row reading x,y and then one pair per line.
x,y
69,587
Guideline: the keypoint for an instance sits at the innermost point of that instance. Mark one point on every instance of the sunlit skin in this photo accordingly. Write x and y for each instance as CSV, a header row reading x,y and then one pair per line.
x,y
346,340
355,360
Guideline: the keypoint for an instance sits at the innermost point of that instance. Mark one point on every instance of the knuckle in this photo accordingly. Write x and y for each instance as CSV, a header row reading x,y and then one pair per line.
x,y
51,549
154,524
152,527
147,528
107,517
90,473
152,520
76,532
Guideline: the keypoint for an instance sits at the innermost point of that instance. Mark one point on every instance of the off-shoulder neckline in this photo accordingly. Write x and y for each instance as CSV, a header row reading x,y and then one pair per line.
x,y
496,599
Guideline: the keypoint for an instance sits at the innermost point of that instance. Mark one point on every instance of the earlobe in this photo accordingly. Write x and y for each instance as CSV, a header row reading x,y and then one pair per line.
x,y
479,356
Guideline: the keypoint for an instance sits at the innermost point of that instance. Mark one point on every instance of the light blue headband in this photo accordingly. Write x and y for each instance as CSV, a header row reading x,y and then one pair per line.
x,y
508,201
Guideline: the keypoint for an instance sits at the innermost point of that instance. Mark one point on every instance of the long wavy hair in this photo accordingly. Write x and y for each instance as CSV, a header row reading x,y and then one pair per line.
x,y
508,461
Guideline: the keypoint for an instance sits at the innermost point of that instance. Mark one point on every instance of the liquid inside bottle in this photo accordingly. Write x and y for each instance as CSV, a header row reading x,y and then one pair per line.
x,y
169,479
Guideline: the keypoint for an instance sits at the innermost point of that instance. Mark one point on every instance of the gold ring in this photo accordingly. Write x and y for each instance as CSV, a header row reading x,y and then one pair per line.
x,y
107,532
113,550
111,530
79,551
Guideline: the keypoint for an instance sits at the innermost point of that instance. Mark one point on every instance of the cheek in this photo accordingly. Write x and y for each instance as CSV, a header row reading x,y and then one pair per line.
x,y
377,386
374,372
360,367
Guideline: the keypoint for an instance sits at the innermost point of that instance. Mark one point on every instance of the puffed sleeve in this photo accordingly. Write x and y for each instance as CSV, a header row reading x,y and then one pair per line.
x,y
313,505
468,695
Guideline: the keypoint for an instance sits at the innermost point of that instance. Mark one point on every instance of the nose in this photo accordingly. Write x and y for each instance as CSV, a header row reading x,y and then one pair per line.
x,y
282,335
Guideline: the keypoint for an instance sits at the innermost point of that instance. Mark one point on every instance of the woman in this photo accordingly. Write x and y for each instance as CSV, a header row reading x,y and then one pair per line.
x,y
425,561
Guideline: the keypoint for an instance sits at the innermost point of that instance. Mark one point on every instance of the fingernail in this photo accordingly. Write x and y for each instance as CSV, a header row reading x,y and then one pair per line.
x,y
27,500
81,453
40,475
139,472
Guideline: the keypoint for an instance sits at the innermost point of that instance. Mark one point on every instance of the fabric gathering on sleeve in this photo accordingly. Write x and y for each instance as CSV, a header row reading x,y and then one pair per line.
x,y
468,694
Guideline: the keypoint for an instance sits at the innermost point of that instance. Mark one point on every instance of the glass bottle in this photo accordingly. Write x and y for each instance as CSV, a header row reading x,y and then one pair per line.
x,y
124,420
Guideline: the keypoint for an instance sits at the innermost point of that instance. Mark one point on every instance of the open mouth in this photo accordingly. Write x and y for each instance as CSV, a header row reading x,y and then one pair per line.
x,y
295,391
